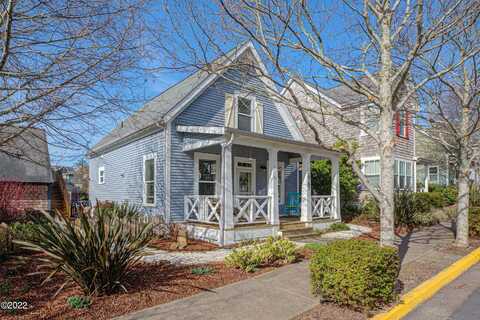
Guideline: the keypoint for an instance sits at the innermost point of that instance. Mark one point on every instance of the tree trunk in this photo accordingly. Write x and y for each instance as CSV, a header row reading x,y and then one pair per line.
x,y
387,234
463,200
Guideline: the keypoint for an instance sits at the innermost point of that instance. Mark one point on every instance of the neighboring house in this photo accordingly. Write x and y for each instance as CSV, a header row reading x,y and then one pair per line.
x,y
434,166
355,106
25,172
217,152
76,180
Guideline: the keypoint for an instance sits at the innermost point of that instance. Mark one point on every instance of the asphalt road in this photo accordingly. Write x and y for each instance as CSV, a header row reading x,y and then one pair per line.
x,y
460,300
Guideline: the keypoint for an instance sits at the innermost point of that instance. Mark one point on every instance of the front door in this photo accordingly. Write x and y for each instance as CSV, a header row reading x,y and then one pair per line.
x,y
244,176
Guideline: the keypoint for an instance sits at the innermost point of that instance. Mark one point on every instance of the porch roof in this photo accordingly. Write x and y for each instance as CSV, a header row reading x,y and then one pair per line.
x,y
259,140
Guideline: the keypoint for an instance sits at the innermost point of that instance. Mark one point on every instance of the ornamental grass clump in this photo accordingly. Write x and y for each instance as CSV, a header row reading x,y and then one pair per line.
x,y
355,273
96,253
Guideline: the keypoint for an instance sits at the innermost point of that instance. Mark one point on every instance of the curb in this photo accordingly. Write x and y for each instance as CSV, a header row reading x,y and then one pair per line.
x,y
427,289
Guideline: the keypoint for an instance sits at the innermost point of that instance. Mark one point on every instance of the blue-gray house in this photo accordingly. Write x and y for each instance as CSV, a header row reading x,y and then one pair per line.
x,y
217,152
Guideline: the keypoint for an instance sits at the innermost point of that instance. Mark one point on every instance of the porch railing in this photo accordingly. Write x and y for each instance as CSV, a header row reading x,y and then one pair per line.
x,y
251,209
206,209
322,206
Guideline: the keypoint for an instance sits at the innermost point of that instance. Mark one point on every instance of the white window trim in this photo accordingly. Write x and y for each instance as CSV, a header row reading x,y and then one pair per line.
x,y
206,156
412,173
101,169
252,109
376,158
144,194
438,175
253,170
281,196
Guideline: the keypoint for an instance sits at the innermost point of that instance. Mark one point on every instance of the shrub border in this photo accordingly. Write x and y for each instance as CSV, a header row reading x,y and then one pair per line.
x,y
427,289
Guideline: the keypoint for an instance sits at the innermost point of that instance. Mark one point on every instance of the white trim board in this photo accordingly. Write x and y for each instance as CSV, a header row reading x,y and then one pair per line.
x,y
202,144
201,129
150,156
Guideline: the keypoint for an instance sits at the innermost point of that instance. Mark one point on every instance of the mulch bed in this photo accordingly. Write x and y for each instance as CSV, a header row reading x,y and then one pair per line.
x,y
193,245
147,285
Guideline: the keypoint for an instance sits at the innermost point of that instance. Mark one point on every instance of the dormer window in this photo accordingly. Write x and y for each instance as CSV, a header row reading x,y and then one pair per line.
x,y
245,114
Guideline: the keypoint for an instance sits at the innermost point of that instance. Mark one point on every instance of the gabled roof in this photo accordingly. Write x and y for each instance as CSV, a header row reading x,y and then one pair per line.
x,y
26,157
342,94
163,107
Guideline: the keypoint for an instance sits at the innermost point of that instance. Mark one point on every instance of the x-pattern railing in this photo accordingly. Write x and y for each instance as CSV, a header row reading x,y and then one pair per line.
x,y
322,206
202,208
251,209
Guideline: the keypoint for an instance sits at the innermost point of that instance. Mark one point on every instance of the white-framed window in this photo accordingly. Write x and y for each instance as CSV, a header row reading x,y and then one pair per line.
x,y
369,117
245,113
101,175
433,174
371,169
403,174
281,182
207,173
245,176
149,179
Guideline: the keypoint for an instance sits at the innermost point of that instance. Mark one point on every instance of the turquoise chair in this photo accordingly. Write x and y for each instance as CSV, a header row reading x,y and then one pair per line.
x,y
293,203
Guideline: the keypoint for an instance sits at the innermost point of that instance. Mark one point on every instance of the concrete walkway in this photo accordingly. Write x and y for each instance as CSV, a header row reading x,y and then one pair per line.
x,y
285,292
280,294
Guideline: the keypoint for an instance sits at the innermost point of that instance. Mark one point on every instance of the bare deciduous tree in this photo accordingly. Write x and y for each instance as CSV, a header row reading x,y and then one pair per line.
x,y
62,63
372,49
453,113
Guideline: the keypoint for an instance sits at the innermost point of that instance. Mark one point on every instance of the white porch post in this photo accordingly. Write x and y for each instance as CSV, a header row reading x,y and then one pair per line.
x,y
273,186
306,207
336,188
227,195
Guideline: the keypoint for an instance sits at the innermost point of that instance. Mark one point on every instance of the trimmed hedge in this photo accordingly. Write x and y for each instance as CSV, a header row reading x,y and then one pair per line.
x,y
272,251
355,273
474,222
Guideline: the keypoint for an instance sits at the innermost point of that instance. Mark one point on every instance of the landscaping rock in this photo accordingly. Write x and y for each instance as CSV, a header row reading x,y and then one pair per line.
x,y
185,258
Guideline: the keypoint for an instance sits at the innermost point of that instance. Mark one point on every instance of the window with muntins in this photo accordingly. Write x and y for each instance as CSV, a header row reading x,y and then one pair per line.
x,y
149,181
207,177
371,169
245,114
433,174
403,175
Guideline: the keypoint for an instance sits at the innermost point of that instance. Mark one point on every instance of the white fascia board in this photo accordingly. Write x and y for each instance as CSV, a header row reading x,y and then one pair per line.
x,y
202,144
201,129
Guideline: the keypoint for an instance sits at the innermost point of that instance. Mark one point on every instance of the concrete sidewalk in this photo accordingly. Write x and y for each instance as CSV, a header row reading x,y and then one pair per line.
x,y
285,292
279,294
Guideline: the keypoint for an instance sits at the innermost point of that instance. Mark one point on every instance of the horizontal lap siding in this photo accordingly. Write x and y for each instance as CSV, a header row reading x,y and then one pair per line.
x,y
208,110
124,172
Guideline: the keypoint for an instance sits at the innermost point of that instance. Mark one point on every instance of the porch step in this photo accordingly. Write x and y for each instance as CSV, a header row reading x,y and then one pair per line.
x,y
297,233
292,225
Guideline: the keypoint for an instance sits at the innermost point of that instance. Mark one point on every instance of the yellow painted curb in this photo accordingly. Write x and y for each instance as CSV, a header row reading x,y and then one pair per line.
x,y
427,289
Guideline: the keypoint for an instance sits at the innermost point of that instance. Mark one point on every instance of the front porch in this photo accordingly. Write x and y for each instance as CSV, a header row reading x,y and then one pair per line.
x,y
263,189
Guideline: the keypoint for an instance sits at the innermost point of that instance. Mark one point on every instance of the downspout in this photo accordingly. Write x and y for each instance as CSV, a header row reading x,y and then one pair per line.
x,y
222,205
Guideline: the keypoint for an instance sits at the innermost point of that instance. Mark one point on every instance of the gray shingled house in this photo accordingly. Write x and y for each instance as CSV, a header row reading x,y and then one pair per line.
x,y
356,106
25,171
